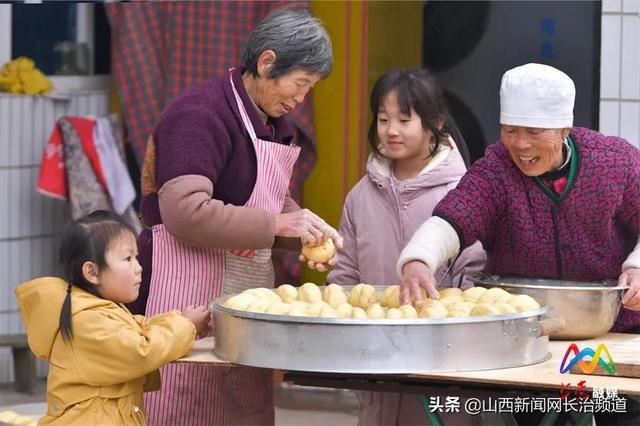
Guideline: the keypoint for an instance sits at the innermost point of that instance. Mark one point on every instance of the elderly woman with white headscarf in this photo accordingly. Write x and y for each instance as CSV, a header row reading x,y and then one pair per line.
x,y
548,201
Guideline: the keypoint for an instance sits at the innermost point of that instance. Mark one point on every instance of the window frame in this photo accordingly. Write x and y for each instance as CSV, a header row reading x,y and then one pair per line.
x,y
84,33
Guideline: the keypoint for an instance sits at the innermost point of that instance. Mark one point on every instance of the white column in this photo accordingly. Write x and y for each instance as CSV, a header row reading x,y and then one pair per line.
x,y
84,26
5,33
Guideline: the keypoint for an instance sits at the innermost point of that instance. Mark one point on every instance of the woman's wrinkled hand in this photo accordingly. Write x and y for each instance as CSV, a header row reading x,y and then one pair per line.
x,y
416,276
631,298
307,226
200,317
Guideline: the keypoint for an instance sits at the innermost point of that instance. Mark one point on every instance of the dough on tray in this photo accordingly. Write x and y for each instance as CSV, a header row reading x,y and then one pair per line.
x,y
505,308
299,309
408,311
391,297
473,294
334,295
431,312
363,296
278,308
264,294
457,313
482,309
448,292
523,302
461,306
344,310
240,302
394,313
448,301
359,314
314,309
310,293
259,306
287,293
328,312
495,294
375,311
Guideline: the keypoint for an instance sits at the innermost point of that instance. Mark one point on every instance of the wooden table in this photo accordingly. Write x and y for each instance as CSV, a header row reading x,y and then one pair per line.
x,y
545,375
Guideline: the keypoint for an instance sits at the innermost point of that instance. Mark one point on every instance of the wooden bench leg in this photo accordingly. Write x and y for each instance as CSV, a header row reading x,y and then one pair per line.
x,y
24,368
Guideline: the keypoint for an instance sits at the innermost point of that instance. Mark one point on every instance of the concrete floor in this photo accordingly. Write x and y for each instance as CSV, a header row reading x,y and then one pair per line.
x,y
295,405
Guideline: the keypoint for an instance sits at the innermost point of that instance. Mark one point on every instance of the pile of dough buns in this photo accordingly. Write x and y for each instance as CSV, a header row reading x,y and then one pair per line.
x,y
363,302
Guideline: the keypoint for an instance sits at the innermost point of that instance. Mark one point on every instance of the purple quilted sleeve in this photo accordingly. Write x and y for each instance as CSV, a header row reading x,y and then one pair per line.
x,y
473,207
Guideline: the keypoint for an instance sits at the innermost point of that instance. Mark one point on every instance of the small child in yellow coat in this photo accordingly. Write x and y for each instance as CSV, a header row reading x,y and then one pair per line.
x,y
101,357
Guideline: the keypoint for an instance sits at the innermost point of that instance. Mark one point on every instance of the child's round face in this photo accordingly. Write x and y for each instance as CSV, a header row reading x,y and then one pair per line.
x,y
120,280
401,135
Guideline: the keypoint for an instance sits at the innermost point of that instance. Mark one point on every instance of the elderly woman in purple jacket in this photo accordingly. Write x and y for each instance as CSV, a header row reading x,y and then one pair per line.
x,y
215,200
549,201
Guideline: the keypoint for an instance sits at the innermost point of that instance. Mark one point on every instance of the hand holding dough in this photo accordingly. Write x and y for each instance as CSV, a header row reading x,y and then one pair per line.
x,y
321,253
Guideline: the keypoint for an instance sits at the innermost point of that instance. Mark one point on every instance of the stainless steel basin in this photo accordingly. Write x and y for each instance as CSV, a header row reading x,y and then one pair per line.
x,y
589,309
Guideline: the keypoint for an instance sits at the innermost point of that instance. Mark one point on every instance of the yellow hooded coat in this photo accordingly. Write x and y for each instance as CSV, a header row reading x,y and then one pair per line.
x,y
98,377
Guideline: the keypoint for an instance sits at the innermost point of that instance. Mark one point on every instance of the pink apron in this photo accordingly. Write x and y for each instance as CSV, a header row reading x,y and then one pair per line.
x,y
188,275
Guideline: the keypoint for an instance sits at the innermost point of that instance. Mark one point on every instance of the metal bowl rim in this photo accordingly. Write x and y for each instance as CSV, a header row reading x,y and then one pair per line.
x,y
216,306
498,281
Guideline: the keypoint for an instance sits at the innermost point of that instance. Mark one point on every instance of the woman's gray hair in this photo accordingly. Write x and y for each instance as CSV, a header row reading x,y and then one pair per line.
x,y
299,40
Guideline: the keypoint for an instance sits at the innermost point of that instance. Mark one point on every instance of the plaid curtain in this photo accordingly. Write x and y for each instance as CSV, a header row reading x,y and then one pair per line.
x,y
162,48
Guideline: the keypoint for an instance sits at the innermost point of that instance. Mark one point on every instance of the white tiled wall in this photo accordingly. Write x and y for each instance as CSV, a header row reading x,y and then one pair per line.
x,y
29,221
620,69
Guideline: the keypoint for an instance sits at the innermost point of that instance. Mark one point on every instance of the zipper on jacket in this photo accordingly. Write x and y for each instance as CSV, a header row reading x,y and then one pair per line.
x,y
399,209
556,236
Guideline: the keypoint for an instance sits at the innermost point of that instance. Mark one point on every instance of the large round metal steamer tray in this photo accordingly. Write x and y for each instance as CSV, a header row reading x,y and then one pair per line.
x,y
588,309
385,346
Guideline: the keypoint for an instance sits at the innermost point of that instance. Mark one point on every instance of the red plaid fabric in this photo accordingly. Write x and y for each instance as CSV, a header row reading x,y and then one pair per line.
x,y
162,48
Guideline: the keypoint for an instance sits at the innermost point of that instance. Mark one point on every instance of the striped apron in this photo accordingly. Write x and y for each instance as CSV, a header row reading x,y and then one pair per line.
x,y
184,274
